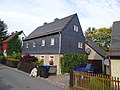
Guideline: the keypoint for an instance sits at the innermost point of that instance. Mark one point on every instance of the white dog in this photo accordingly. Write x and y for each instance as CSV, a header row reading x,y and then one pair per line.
x,y
33,72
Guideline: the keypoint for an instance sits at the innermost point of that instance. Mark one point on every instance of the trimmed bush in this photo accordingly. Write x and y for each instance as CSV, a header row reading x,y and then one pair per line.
x,y
28,58
26,67
12,63
38,63
69,61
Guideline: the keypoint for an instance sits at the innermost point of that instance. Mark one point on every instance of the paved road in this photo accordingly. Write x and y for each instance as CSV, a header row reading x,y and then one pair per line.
x,y
14,80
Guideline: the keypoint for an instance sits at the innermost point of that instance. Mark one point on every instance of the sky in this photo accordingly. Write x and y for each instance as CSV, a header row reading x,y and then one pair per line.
x,y
27,15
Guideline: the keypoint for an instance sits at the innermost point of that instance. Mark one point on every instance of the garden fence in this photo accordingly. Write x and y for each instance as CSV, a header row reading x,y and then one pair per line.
x,y
90,81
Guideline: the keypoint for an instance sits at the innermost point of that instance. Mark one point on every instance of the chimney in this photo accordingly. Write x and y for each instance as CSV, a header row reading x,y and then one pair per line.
x,y
56,19
45,23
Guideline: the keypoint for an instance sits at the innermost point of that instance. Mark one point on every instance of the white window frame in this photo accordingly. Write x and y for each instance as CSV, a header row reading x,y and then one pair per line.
x,y
43,42
75,28
34,44
52,41
27,45
80,45
42,57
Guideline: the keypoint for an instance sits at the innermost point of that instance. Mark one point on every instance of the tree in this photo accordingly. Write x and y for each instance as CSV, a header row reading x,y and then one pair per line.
x,y
14,44
101,36
3,32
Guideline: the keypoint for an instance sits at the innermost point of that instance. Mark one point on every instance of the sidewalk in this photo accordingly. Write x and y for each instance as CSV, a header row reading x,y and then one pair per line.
x,y
59,80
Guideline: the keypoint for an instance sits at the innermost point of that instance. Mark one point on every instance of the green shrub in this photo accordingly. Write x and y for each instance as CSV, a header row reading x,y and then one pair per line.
x,y
38,63
69,61
15,56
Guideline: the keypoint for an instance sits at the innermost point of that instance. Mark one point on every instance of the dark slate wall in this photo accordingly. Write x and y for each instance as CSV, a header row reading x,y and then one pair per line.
x,y
47,49
70,38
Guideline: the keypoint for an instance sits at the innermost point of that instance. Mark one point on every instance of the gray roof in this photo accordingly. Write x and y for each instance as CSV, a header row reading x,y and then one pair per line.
x,y
48,28
115,40
96,48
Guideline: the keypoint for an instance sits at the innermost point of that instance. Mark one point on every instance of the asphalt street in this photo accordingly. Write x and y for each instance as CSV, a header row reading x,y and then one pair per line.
x,y
11,79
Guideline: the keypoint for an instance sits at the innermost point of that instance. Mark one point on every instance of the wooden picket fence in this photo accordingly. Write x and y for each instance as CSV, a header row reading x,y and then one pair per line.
x,y
89,81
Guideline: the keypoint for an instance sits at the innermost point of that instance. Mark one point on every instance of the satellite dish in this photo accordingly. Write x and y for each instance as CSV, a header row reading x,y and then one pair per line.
x,y
106,62
88,51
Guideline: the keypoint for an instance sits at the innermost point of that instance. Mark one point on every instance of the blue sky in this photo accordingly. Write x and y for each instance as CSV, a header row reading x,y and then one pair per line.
x,y
27,15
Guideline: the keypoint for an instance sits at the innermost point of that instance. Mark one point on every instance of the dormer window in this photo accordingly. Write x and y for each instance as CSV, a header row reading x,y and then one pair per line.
x,y
34,44
52,41
80,45
43,42
27,45
75,28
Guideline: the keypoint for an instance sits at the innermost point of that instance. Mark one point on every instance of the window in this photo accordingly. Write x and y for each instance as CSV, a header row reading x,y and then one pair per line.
x,y
27,45
79,45
34,44
51,59
43,42
75,28
52,41
23,38
42,57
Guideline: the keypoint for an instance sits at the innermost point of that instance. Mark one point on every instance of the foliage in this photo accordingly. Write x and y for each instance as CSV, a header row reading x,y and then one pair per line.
x,y
3,32
28,58
12,63
101,36
1,53
14,44
97,84
38,63
15,56
69,61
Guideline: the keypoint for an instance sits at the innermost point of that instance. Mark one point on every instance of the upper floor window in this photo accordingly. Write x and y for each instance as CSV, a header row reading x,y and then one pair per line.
x,y
52,41
75,28
80,45
27,45
43,42
34,44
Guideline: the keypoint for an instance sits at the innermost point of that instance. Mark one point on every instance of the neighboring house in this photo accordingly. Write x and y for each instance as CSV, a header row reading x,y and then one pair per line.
x,y
96,55
52,40
5,42
114,52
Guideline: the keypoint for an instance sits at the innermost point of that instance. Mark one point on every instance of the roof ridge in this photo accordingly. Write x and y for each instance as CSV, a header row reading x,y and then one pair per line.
x,y
52,27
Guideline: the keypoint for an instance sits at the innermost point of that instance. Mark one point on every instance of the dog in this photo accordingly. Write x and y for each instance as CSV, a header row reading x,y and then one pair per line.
x,y
33,72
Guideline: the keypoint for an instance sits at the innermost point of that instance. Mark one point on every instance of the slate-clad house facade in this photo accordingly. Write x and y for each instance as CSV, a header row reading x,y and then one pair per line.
x,y
114,52
52,40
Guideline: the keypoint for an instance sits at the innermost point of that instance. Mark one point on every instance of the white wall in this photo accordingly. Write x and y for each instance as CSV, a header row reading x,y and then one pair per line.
x,y
115,67
47,58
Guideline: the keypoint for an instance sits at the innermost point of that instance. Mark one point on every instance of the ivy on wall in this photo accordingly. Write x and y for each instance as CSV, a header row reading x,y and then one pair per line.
x,y
69,61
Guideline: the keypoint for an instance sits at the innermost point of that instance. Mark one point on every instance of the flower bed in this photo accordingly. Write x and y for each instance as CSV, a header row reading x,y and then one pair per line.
x,y
12,63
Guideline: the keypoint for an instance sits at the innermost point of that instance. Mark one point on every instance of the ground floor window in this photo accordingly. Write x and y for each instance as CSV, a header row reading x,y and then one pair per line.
x,y
51,59
42,57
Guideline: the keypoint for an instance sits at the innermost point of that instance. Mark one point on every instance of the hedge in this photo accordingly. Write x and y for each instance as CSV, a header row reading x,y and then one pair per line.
x,y
69,61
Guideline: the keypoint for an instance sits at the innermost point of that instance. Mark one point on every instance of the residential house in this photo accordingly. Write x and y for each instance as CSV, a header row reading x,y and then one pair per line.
x,y
96,55
21,36
114,52
52,40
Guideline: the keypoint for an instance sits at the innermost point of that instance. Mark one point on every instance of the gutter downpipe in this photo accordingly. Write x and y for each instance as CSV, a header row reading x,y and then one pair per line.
x,y
58,67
